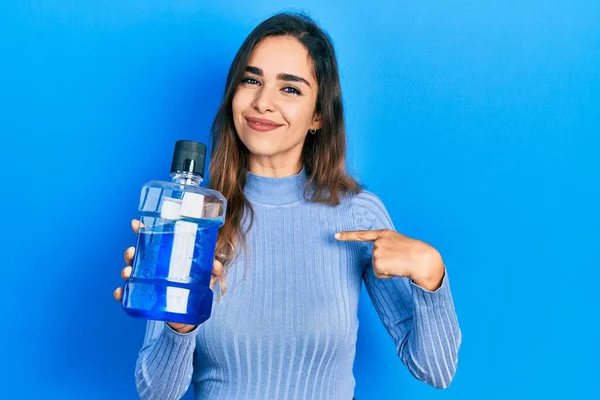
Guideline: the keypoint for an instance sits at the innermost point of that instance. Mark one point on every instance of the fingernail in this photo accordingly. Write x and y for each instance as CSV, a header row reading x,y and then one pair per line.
x,y
338,235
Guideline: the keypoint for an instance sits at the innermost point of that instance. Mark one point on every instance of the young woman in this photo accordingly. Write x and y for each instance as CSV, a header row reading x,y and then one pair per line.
x,y
300,238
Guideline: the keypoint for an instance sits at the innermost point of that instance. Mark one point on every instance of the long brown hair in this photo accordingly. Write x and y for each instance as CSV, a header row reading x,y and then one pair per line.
x,y
323,154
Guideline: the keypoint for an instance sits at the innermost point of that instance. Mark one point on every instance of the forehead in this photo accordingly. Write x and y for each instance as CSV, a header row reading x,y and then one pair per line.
x,y
281,54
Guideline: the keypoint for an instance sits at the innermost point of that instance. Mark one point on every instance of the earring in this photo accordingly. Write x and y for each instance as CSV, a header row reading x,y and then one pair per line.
x,y
312,131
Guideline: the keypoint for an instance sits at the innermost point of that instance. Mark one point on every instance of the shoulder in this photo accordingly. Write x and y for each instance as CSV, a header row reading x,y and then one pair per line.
x,y
367,200
369,211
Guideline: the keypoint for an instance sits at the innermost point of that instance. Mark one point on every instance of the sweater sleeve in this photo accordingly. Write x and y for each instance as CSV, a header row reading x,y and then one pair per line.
x,y
422,324
165,362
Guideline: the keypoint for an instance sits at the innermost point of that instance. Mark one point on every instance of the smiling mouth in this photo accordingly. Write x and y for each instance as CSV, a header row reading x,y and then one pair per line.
x,y
261,125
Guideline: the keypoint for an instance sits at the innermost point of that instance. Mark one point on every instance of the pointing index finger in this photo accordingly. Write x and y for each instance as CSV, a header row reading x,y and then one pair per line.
x,y
360,236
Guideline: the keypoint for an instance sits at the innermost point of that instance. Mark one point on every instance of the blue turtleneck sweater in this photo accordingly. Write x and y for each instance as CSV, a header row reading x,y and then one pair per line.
x,y
286,327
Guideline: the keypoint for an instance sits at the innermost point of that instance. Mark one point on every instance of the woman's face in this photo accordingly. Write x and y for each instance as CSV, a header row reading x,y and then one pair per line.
x,y
274,105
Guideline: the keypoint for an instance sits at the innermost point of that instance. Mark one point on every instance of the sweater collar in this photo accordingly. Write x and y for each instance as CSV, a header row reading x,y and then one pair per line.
x,y
268,190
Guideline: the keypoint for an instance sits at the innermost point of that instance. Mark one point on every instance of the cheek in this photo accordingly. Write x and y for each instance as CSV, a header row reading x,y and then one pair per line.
x,y
300,116
239,103
236,105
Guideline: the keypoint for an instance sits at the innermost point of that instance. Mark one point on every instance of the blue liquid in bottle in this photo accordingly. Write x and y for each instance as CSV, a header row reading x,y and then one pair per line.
x,y
175,250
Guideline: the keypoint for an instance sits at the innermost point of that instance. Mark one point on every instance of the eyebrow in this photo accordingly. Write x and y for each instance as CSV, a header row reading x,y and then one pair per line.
x,y
281,76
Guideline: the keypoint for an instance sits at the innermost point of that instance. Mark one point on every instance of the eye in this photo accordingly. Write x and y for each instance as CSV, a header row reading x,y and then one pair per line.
x,y
292,90
250,81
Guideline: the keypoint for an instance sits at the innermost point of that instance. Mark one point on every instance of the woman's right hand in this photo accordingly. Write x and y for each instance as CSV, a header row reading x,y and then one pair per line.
x,y
126,273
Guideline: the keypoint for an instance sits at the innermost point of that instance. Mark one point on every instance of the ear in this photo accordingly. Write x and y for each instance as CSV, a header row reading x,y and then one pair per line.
x,y
317,122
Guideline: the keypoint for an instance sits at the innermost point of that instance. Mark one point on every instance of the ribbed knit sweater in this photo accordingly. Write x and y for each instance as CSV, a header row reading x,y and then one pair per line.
x,y
286,327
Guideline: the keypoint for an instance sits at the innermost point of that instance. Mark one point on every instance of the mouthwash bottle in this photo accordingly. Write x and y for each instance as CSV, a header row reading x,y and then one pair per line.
x,y
172,266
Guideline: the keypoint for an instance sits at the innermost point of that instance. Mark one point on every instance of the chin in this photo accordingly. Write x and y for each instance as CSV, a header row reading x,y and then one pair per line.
x,y
260,147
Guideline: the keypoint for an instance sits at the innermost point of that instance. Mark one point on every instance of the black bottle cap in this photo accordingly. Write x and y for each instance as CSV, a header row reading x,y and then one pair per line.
x,y
189,156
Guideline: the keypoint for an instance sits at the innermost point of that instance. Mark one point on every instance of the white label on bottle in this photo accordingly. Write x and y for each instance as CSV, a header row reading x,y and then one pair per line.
x,y
192,205
182,253
171,208
177,299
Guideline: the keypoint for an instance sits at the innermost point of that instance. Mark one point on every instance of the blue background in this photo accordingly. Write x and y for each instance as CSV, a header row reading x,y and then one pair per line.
x,y
476,122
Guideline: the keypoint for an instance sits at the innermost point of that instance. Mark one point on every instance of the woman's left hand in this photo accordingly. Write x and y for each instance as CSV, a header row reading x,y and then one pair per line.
x,y
397,255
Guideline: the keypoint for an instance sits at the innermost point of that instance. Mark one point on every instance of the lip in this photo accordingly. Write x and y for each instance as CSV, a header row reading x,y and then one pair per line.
x,y
261,125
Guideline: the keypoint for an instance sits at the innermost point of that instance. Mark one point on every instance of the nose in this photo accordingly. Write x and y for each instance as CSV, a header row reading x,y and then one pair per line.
x,y
264,101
